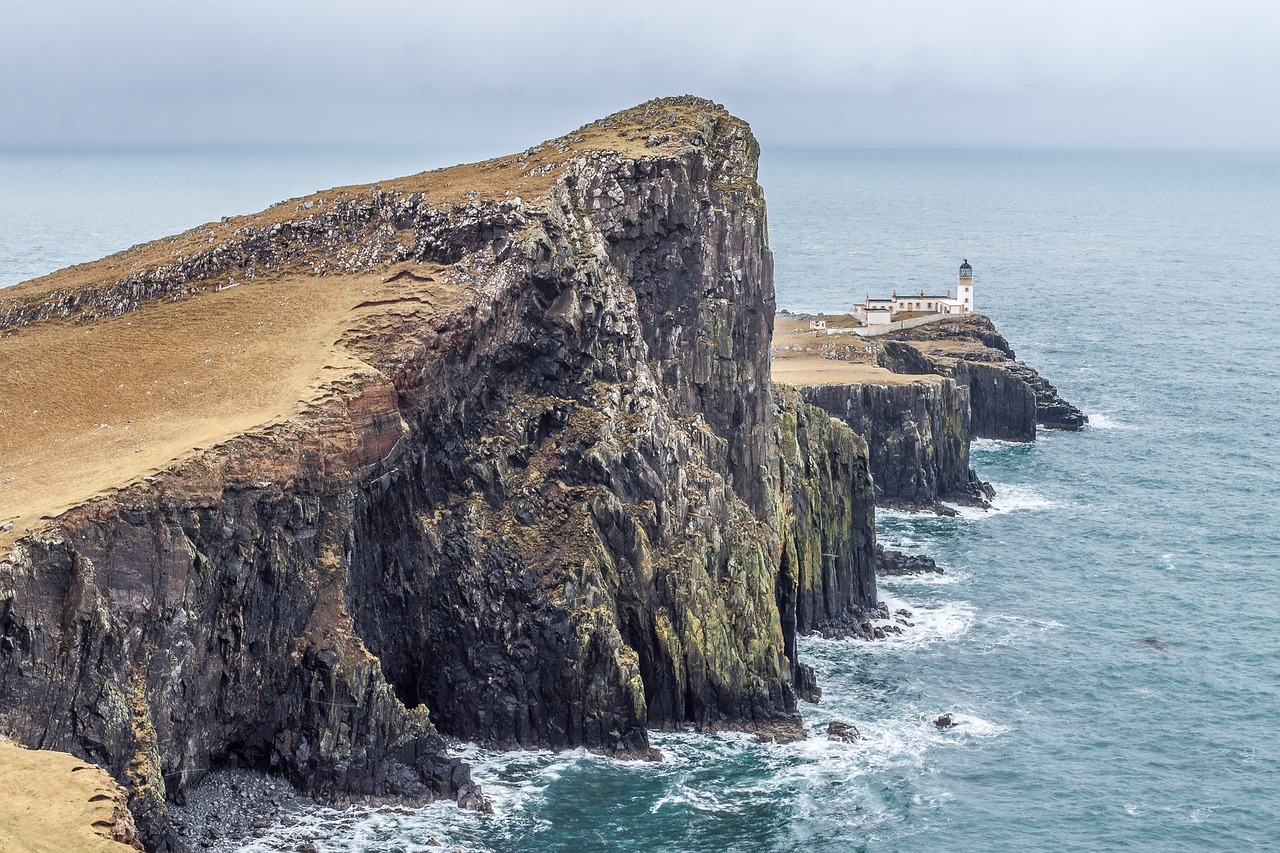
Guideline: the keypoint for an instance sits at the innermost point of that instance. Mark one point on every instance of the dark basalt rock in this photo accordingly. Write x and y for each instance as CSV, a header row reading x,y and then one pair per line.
x,y
1052,412
889,562
1008,398
826,576
843,732
917,437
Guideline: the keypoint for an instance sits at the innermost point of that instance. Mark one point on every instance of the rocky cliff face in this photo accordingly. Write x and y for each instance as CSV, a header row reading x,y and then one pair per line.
x,y
917,436
1001,404
556,505
826,576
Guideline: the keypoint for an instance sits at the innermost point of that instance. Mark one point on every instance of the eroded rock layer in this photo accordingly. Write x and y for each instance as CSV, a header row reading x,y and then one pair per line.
x,y
826,577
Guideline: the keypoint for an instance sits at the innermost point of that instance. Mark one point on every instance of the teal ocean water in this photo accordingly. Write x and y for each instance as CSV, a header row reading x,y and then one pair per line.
x,y
1144,286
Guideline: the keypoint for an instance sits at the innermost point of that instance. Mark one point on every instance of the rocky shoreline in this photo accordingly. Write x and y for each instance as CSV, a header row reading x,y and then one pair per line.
x,y
555,499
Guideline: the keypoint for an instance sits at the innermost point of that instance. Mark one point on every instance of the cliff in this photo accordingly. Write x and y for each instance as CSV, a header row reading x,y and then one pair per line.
x,y
1008,398
916,423
489,452
826,576
918,437
919,397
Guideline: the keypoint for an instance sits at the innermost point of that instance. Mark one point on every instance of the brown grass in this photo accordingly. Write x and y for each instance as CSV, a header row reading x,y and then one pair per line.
x,y
823,371
54,803
798,358
87,407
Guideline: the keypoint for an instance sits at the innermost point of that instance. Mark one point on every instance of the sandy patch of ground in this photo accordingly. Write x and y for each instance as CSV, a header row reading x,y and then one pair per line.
x,y
822,371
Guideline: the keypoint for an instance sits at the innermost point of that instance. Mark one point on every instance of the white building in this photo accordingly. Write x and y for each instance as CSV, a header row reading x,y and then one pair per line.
x,y
875,312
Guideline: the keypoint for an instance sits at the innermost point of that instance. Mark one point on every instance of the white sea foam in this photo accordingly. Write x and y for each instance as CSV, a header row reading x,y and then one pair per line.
x,y
948,578
1100,420
930,623
1009,497
883,513
361,828
992,445
1022,622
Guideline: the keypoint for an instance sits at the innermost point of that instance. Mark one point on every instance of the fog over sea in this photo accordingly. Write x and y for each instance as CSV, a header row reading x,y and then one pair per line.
x,y
1144,287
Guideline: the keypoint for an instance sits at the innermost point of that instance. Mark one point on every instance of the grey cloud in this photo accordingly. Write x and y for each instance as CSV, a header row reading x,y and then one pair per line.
x,y
926,73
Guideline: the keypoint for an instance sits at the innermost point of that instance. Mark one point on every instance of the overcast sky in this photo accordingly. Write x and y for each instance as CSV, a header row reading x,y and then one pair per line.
x,y
500,75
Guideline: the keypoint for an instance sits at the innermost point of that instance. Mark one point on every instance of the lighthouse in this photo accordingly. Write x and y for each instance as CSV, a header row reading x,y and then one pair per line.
x,y
918,309
964,288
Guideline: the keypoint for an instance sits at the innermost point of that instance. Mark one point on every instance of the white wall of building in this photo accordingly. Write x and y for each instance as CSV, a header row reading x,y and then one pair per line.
x,y
874,312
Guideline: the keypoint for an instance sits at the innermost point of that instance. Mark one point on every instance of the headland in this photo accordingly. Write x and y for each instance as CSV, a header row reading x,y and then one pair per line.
x,y
511,452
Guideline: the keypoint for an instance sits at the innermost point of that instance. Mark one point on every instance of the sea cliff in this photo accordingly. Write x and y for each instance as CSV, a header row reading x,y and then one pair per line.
x,y
919,397
496,452
540,491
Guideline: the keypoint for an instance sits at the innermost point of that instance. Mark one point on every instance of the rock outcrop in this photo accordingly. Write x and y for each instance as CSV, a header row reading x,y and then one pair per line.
x,y
826,576
1008,398
917,437
896,563
550,500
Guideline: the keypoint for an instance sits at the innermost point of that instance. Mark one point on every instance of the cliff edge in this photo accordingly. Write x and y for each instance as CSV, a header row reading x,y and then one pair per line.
x,y
919,397
489,452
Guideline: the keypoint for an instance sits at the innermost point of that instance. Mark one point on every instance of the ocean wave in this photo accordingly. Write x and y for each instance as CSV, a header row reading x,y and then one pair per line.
x,y
884,513
947,578
1022,622
1001,631
708,774
1100,420
930,624
362,829
1009,497
993,445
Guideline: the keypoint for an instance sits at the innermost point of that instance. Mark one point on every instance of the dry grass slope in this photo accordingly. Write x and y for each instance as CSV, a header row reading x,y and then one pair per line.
x,y
85,407
90,406
798,358
56,803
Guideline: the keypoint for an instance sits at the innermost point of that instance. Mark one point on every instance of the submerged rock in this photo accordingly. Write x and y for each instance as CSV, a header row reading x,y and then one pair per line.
x,y
1153,642
844,732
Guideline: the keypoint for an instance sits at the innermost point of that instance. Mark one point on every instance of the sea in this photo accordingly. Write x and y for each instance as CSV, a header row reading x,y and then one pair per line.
x,y
1107,635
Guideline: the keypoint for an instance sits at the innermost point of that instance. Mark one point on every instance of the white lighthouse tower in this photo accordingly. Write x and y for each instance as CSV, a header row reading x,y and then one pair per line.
x,y
964,288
